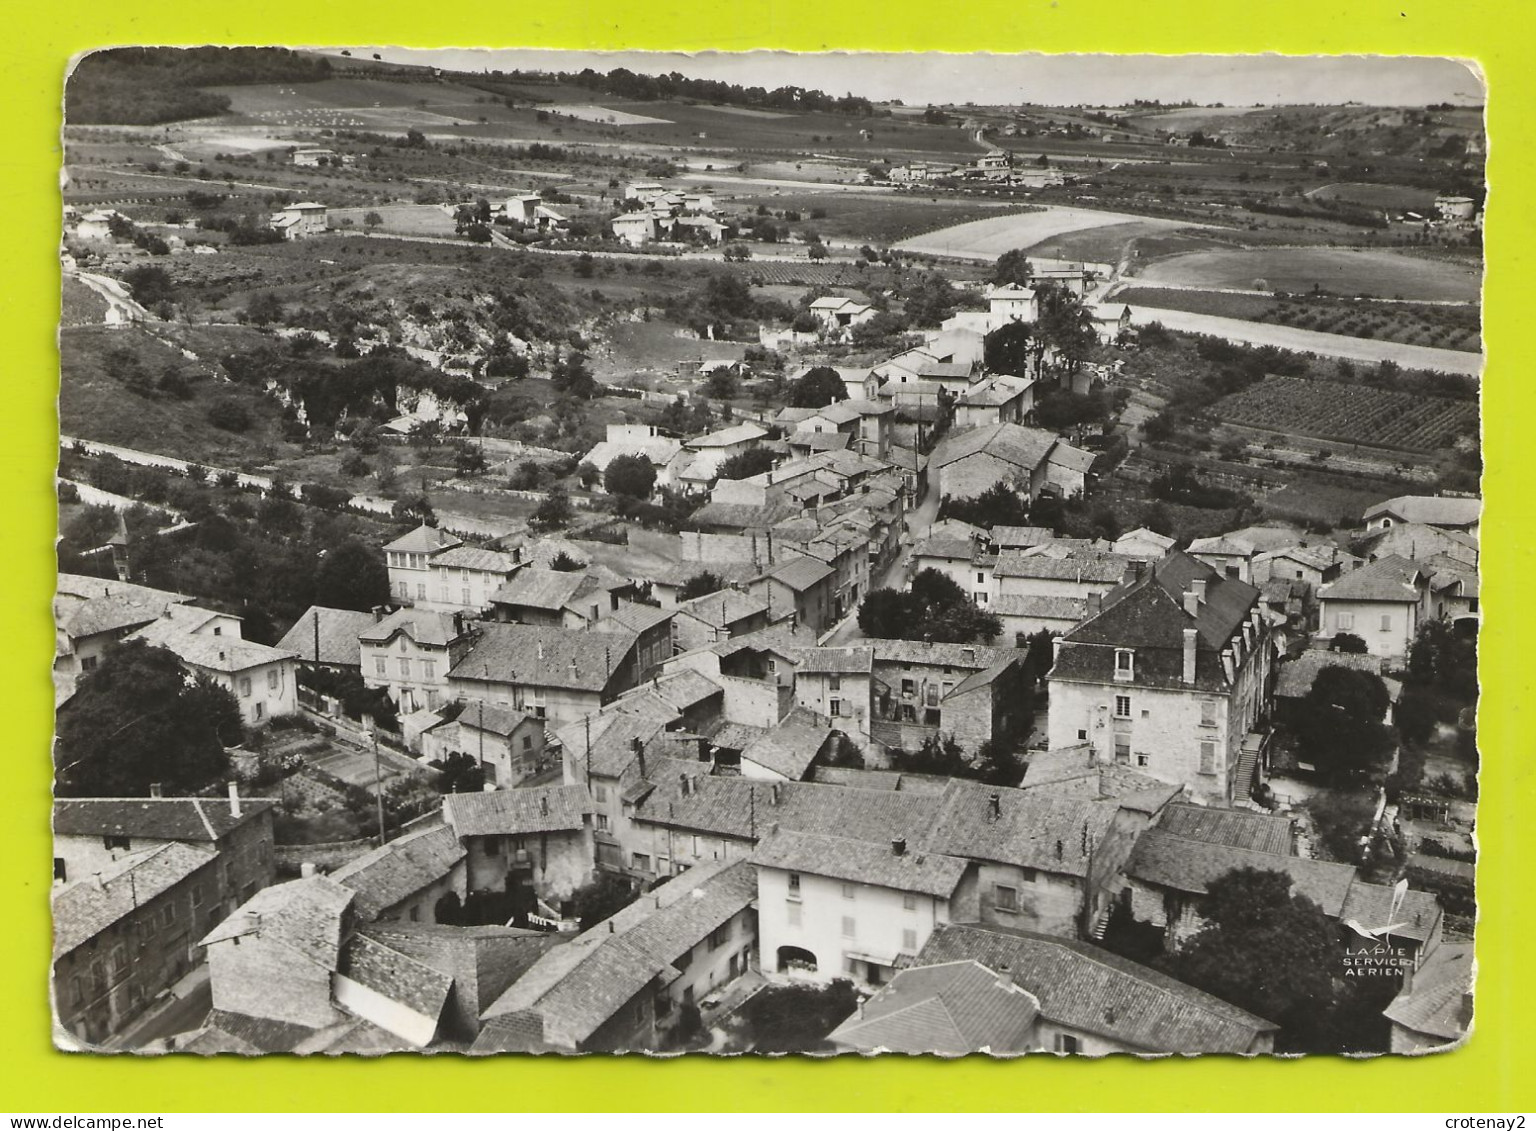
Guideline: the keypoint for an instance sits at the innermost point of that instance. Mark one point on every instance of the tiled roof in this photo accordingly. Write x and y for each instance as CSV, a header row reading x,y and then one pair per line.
x,y
724,607
1021,537
495,719
835,661
743,515
1011,443
746,810
1143,535
1043,608
1148,616
214,653
944,546
306,915
1437,1001
1065,455
788,749
638,618
476,558
1049,832
1296,676
1082,566
545,657
84,606
1390,579
949,1009
799,572
395,976
1237,828
338,634
972,657
237,1032
193,819
1182,864
423,540
82,910
1223,544
422,625
1429,510
606,741
860,861
515,812
482,961
1417,542
548,589
725,437
1081,986
399,869
660,450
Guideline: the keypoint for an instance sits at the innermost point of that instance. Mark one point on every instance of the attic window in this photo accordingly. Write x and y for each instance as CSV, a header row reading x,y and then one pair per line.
x,y
1125,663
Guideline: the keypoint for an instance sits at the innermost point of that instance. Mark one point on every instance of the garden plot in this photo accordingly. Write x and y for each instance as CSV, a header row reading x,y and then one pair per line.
x,y
589,113
1384,274
1358,414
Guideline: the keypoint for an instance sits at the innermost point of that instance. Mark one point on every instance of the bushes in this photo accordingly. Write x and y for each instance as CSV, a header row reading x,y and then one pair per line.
x,y
230,416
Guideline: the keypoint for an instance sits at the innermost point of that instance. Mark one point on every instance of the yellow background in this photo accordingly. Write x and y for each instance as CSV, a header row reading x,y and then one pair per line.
x,y
36,42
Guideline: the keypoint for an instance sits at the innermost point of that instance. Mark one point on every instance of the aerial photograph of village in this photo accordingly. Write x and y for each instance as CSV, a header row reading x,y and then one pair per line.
x,y
756,553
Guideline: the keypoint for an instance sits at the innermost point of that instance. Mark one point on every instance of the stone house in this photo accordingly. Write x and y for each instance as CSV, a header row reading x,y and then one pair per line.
x,y
410,652
539,837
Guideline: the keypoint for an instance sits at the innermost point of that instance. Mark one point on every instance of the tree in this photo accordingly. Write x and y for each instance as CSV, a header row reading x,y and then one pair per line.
x,y
1348,642
1267,951
737,253
351,576
1065,325
887,614
721,384
817,388
459,773
1012,269
572,378
554,511
231,416
136,721
998,505
604,897
700,584
587,473
633,476
935,609
744,465
1010,349
371,220
1338,725
263,307
468,459
817,251
565,563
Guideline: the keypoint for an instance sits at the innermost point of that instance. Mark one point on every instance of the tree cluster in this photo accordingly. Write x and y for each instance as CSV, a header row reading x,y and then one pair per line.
x,y
934,609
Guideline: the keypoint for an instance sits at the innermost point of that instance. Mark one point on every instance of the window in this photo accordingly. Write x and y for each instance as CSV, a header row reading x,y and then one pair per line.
x,y
405,668
684,960
1298,575
76,992
909,902
834,683
794,885
1123,749
1346,621
847,891
272,679
1028,875
1122,706
792,913
600,793
421,592
245,686
1082,736
112,842
981,598
1125,663
464,595
60,869
1068,1044
981,579
640,862
602,822
908,688
850,928
197,895
405,591
1233,572
1208,712
1386,622
415,915
380,666
1143,760
719,936
527,742
88,663
260,712
428,669
1006,898
119,960
835,708
1207,757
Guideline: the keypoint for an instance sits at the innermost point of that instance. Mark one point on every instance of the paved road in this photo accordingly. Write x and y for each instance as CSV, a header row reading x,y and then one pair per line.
x,y
895,575
1311,341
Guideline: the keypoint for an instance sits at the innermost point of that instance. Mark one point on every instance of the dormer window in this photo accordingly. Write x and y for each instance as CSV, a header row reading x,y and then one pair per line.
x,y
1125,664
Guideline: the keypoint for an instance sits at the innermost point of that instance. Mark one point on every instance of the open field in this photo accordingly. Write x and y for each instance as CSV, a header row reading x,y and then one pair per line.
x,y
1450,327
588,113
81,306
1357,414
1347,271
1378,196
987,239
401,219
877,218
1313,501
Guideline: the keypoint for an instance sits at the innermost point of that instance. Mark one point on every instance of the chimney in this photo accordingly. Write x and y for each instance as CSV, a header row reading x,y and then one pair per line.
x,y
994,806
97,882
1135,570
899,846
307,870
1095,604
234,799
611,928
222,655
639,751
1060,850
544,805
1191,603
378,613
155,790
1227,664
541,649
776,793
1198,588
489,786
1191,641
683,783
